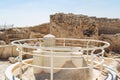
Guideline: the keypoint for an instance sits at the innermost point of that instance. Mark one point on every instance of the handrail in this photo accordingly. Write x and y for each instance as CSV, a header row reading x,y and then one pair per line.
x,y
106,44
66,48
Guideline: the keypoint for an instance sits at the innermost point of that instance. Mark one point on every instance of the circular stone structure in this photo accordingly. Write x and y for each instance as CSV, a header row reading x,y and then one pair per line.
x,y
58,59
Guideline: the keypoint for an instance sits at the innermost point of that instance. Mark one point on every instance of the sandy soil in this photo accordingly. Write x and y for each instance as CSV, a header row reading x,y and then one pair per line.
x,y
3,65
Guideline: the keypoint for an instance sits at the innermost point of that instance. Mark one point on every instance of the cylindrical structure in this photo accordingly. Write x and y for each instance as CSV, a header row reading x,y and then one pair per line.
x,y
49,40
55,62
37,60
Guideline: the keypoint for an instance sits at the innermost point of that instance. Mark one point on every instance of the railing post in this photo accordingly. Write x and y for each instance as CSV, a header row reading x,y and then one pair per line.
x,y
49,41
20,63
87,49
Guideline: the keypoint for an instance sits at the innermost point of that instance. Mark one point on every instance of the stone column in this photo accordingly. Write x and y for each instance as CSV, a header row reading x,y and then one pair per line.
x,y
49,40
37,60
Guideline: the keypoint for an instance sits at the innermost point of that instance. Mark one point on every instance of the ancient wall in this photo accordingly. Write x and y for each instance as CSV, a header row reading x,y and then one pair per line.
x,y
14,34
114,41
81,26
78,26
110,30
73,26
65,26
107,25
7,51
39,31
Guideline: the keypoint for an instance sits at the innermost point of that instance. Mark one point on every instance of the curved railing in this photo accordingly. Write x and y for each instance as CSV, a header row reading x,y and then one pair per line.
x,y
91,50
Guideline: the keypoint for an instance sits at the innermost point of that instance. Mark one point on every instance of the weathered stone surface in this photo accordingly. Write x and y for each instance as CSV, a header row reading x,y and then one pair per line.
x,y
14,51
1,51
7,51
43,28
39,31
108,26
108,30
2,36
114,41
19,34
13,60
14,34
2,42
66,26
73,26
36,35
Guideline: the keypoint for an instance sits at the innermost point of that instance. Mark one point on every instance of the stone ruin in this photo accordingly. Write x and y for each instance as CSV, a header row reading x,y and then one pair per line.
x,y
66,26
82,26
73,26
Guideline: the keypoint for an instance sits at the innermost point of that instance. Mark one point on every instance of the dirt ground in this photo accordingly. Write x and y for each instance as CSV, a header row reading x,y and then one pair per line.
x,y
3,66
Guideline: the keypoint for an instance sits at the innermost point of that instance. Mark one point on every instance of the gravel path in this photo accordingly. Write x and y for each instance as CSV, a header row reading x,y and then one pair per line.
x,y
3,65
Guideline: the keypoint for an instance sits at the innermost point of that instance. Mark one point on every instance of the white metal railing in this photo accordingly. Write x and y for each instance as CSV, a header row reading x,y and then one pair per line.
x,y
67,43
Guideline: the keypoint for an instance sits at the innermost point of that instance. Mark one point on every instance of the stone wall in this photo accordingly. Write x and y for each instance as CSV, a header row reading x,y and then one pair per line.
x,y
65,26
76,25
39,31
82,26
7,51
114,41
14,34
107,25
73,26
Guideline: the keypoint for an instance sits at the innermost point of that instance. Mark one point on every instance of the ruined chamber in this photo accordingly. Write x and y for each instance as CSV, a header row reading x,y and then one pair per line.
x,y
58,59
63,56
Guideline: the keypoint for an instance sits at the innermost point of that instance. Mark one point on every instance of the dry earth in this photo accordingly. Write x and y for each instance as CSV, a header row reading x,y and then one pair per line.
x,y
3,65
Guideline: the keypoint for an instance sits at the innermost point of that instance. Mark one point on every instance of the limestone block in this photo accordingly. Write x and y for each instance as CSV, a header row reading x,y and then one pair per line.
x,y
7,52
2,42
1,51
